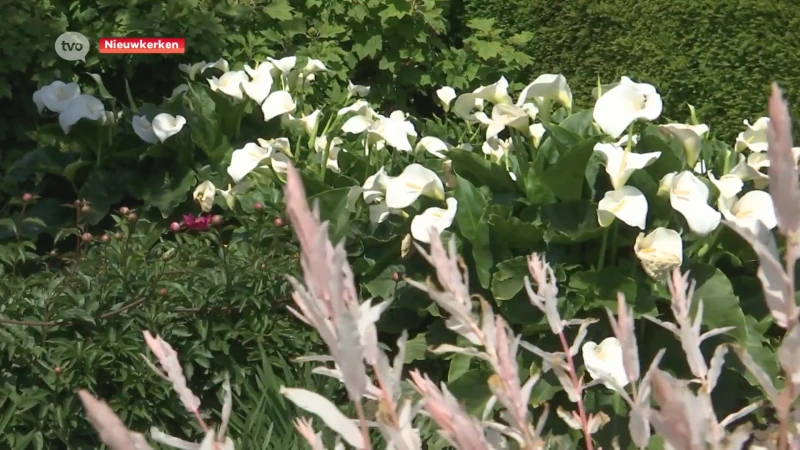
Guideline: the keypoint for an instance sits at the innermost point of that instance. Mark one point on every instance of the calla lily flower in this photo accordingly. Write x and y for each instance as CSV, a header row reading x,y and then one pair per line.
x,y
313,66
56,96
204,195
357,90
230,83
144,129
360,108
374,188
259,88
537,131
277,104
627,204
446,95
379,212
283,65
747,172
546,89
394,130
260,70
220,64
689,196
437,218
507,116
181,89
496,93
624,104
320,143
754,137
247,158
83,106
497,149
466,106
434,146
620,164
308,123
690,136
604,362
166,125
202,66
660,252
728,185
415,181
753,207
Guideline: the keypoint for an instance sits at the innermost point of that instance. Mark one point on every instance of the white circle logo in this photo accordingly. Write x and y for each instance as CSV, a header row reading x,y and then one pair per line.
x,y
72,46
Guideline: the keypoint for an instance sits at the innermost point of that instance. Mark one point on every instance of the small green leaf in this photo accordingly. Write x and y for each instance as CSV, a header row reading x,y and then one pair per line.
x,y
508,281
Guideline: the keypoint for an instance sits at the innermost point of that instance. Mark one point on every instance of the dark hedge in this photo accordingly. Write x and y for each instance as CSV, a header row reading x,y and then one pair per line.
x,y
718,55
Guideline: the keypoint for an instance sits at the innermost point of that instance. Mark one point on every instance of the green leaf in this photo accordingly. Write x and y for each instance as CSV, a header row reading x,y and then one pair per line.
x,y
508,281
333,208
166,191
416,348
563,138
459,365
720,303
101,189
566,177
471,220
279,10
485,25
571,222
479,171
580,123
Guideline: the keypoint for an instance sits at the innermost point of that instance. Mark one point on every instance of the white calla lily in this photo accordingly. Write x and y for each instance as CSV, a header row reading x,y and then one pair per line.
x,y
467,106
277,104
321,143
283,65
379,212
627,204
181,89
546,89
496,93
259,88
752,207
244,160
357,124
625,103
434,146
508,116
220,64
374,188
357,90
314,66
56,96
415,181
230,84
446,95
260,70
537,131
496,149
728,185
166,125
360,108
689,196
308,123
620,164
83,106
433,218
604,362
690,136
144,129
747,172
754,137
660,252
204,195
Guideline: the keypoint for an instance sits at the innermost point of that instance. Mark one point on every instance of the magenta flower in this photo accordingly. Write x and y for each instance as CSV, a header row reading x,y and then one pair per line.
x,y
198,223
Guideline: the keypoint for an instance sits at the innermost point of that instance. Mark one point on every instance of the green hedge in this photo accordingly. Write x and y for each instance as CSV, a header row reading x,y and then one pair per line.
x,y
718,55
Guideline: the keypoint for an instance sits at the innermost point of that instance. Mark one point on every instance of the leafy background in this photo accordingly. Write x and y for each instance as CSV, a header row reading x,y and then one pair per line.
x,y
403,51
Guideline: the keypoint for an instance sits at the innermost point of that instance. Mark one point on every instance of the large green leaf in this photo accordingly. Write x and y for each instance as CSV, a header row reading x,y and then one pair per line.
x,y
480,171
566,177
473,223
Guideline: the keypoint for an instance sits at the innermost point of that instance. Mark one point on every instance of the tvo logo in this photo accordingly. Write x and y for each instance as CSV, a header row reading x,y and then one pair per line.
x,y
72,46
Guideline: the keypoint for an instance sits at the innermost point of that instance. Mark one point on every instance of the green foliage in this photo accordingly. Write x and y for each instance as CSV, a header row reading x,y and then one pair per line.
x,y
74,318
717,55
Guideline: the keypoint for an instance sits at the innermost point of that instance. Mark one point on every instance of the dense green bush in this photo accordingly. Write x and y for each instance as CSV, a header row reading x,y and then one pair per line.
x,y
75,318
717,55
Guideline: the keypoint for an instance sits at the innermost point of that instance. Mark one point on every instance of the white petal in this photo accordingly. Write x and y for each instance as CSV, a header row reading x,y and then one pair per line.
x,y
144,129
166,125
416,180
356,125
627,204
752,207
548,87
625,103
83,106
446,95
259,88
276,104
245,159
605,361
437,218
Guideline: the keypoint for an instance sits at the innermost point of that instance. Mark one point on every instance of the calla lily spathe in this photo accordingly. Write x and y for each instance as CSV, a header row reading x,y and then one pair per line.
x,y
204,195
510,116
433,218
496,93
394,130
496,149
320,143
230,83
689,196
283,65
754,137
374,188
627,204
357,90
546,89
537,131
690,136
259,88
83,106
247,158
467,106
56,96
446,95
144,129
434,146
750,172
166,125
621,164
277,104
415,181
752,207
308,123
660,252
604,362
625,103
728,185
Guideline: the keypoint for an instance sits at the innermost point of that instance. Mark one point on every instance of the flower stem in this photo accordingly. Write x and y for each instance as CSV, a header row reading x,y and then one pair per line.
x,y
601,260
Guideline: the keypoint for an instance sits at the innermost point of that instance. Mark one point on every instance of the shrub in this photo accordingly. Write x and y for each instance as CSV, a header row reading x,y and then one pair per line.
x,y
73,318
718,56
